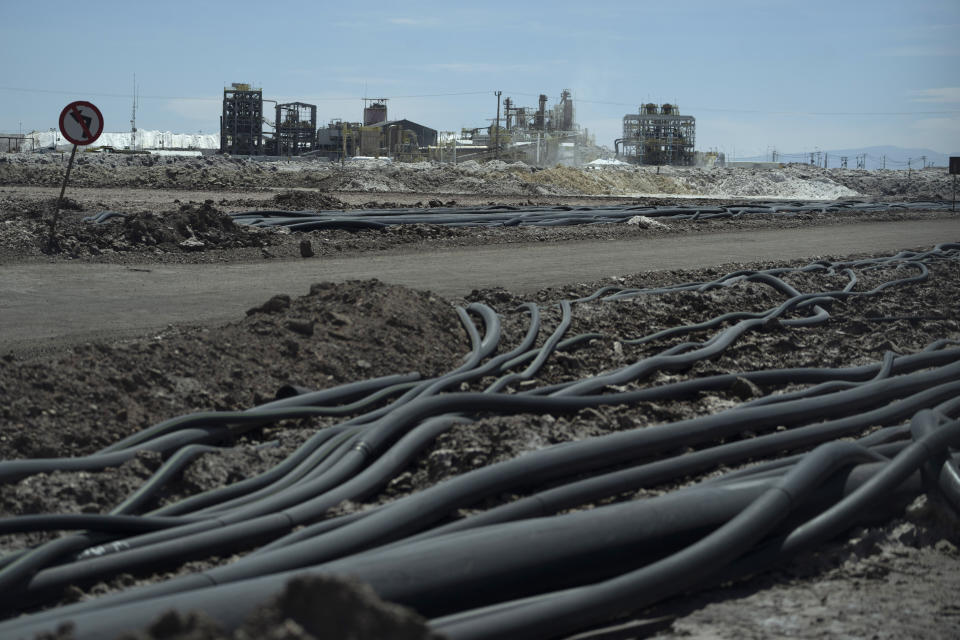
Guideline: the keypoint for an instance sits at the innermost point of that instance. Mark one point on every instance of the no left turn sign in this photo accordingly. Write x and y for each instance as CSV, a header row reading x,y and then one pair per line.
x,y
81,122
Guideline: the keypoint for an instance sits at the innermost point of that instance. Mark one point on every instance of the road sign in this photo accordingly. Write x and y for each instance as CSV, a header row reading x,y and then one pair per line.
x,y
954,169
81,122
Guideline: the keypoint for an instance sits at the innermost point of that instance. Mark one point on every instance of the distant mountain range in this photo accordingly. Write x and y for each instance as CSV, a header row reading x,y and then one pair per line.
x,y
875,157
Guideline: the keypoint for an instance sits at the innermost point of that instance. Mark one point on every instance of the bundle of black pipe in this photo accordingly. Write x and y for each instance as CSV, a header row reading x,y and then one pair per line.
x,y
542,216
586,565
546,216
389,420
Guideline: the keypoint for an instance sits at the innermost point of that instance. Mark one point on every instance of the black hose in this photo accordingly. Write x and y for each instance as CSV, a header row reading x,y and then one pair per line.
x,y
401,415
378,219
13,470
300,506
88,521
229,604
567,611
645,475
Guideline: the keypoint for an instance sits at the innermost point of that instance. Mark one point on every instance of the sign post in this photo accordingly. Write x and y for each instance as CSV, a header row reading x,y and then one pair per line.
x,y
954,170
80,123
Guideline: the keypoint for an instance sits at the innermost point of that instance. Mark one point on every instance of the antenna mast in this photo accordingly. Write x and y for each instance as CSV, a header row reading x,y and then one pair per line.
x,y
133,117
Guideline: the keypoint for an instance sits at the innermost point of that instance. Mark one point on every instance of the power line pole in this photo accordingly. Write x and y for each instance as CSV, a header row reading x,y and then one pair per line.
x,y
497,134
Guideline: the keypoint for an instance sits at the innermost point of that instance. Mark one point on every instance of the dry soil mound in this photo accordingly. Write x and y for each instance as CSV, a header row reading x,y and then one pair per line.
x,y
796,181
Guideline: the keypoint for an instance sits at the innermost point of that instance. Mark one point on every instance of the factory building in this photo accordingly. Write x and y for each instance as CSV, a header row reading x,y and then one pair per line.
x,y
241,125
339,139
540,136
296,129
417,134
657,135
376,136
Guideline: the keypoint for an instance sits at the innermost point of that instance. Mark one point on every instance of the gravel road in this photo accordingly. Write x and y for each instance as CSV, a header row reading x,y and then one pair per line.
x,y
73,302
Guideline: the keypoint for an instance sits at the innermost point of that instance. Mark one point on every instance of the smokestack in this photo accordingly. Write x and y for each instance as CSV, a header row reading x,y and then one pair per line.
x,y
539,121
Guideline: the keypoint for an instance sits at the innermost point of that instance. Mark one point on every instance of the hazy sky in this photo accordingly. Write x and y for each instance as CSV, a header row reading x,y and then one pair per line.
x,y
756,74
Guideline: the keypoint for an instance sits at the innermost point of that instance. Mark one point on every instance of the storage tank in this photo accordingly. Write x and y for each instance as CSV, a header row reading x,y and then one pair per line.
x,y
375,113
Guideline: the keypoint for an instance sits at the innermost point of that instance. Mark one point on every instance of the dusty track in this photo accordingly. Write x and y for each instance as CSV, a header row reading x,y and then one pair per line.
x,y
72,302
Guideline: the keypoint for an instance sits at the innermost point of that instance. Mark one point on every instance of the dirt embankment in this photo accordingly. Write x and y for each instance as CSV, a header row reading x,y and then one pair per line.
x,y
335,333
494,178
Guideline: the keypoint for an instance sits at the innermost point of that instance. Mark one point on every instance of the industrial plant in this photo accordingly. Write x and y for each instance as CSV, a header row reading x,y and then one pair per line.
x,y
657,135
294,131
541,135
376,136
537,136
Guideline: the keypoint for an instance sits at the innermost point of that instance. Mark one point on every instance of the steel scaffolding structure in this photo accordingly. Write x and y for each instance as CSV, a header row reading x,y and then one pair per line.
x,y
658,135
296,128
241,131
541,136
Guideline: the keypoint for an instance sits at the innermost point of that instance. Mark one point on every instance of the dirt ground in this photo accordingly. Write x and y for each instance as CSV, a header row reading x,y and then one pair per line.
x,y
223,173
894,580
175,206
199,230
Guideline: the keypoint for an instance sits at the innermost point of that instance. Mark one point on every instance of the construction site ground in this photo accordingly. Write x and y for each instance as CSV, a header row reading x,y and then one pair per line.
x,y
122,325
